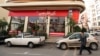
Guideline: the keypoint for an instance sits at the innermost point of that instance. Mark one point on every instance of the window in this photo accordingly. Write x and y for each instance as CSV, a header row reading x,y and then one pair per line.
x,y
97,6
36,25
98,12
98,23
75,36
93,14
94,24
57,24
98,17
17,23
94,19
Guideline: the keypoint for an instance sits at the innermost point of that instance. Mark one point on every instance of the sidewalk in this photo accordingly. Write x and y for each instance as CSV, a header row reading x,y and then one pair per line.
x,y
52,40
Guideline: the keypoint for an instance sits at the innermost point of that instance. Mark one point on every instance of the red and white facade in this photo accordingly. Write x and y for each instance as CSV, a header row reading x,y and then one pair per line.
x,y
50,16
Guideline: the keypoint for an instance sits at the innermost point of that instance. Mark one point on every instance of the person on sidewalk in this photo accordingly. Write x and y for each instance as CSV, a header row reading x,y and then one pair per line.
x,y
83,40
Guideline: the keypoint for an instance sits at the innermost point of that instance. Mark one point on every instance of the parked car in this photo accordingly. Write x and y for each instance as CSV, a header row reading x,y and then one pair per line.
x,y
2,38
73,41
92,33
25,39
97,33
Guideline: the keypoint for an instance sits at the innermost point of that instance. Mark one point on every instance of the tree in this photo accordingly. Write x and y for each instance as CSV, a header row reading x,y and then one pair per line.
x,y
3,24
35,27
9,26
71,23
77,29
20,27
84,29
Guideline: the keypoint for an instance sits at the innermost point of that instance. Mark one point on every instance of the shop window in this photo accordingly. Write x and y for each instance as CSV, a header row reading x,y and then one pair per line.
x,y
17,23
36,25
57,24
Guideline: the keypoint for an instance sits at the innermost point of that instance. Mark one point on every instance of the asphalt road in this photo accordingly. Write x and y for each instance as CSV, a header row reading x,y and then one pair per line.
x,y
46,50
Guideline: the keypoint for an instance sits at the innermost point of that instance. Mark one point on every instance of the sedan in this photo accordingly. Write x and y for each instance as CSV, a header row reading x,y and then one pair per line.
x,y
73,41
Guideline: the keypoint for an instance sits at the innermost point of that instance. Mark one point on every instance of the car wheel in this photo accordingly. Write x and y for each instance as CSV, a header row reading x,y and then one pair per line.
x,y
30,45
63,46
96,34
93,46
8,44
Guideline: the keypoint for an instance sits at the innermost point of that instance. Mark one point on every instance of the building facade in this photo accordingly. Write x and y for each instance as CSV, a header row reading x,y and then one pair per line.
x,y
49,16
4,12
93,13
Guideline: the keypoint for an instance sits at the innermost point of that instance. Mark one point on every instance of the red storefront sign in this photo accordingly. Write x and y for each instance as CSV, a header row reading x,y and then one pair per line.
x,y
75,13
39,13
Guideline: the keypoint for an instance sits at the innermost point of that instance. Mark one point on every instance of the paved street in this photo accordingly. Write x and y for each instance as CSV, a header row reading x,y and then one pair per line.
x,y
47,50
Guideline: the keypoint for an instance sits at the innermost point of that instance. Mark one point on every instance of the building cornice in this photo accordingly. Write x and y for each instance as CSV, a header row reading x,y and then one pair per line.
x,y
46,4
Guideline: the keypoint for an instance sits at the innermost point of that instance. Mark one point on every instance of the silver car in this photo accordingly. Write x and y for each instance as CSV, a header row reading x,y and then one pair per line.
x,y
73,41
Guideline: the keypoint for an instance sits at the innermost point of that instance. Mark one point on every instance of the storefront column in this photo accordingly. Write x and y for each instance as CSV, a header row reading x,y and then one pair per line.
x,y
47,25
25,23
66,26
8,20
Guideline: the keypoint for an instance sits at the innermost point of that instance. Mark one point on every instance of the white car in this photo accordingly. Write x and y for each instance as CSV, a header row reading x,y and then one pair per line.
x,y
97,33
25,39
73,41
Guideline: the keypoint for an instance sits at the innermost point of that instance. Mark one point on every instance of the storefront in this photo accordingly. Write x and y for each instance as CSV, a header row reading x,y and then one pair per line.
x,y
53,22
38,17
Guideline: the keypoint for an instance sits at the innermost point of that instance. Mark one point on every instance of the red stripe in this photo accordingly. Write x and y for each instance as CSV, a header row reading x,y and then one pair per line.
x,y
56,34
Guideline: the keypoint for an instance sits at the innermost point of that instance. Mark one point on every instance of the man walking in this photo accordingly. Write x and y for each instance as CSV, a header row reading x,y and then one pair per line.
x,y
83,40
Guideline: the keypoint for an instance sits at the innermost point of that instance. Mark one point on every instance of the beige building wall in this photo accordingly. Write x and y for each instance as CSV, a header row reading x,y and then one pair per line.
x,y
3,12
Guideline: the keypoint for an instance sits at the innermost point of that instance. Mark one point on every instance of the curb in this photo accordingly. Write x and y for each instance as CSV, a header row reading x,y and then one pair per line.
x,y
50,42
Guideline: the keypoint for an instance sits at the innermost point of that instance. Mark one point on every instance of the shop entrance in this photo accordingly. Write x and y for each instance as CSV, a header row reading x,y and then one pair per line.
x,y
57,26
39,25
52,26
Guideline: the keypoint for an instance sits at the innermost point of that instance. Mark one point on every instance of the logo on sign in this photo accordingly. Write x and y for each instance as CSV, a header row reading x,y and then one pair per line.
x,y
48,13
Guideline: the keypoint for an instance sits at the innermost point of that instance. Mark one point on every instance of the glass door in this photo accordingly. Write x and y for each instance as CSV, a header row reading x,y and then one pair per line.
x,y
57,26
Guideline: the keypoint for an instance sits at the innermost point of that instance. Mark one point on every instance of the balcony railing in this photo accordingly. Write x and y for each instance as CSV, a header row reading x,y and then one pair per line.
x,y
37,0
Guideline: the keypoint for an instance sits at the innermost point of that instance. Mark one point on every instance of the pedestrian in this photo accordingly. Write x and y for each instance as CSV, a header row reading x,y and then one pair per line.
x,y
83,40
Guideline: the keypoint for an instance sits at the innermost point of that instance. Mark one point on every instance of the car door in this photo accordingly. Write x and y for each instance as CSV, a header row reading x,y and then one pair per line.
x,y
17,40
25,40
74,40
